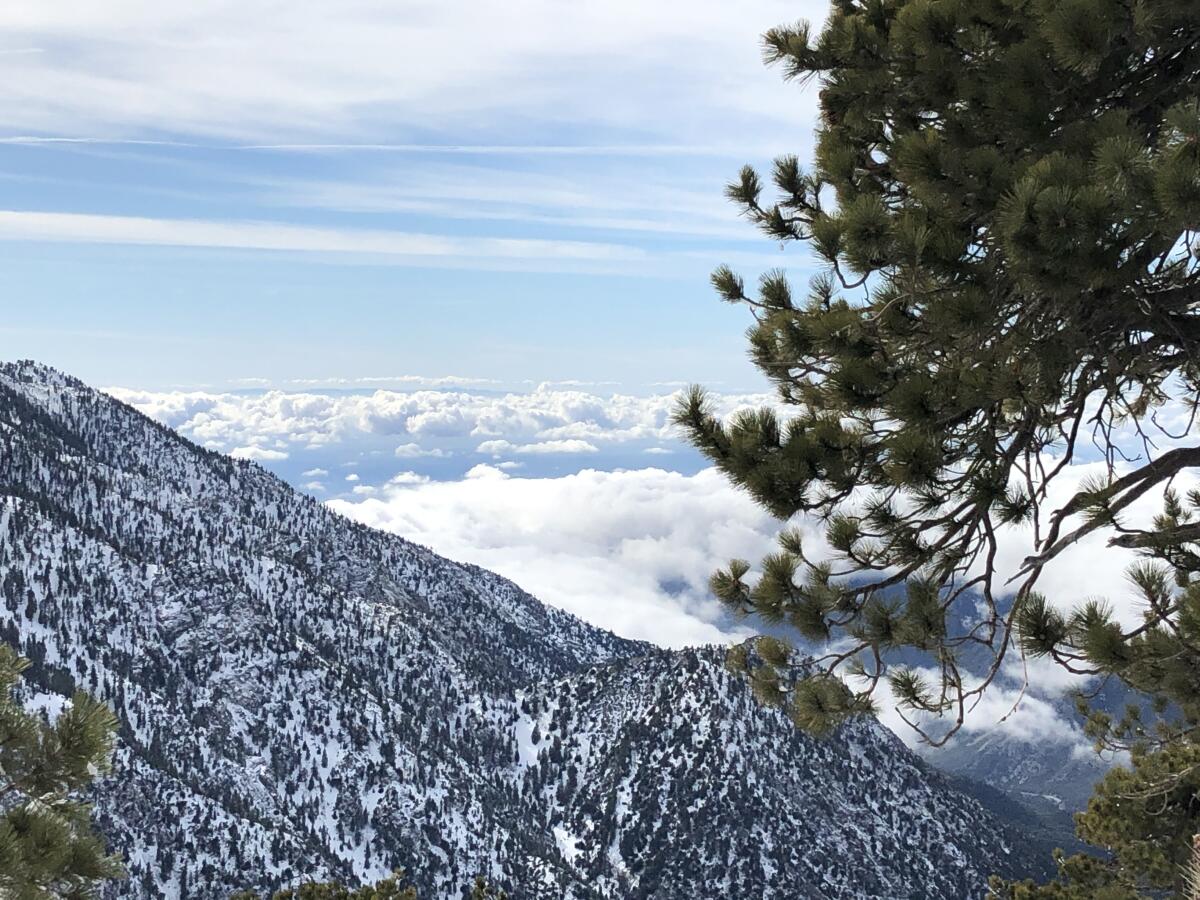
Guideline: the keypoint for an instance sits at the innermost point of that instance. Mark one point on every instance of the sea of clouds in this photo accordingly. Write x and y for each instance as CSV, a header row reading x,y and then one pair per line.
x,y
588,498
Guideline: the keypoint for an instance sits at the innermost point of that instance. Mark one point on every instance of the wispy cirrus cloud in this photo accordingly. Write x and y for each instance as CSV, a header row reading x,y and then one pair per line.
x,y
213,145
393,247
372,72
727,151
643,199
425,249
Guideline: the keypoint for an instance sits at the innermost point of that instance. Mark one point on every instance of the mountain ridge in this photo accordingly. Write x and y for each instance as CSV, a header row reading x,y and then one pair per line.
x,y
303,696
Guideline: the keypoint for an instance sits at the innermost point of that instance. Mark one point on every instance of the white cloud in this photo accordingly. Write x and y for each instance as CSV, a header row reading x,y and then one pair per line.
x,y
508,107
352,477
1031,715
577,383
407,478
483,470
443,420
313,486
569,446
259,454
637,562
1090,568
407,380
632,198
658,451
497,448
414,451
568,422
511,423
324,76
424,249
314,473
545,416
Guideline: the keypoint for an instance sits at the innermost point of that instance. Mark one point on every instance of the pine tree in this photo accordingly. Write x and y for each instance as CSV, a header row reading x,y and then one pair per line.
x,y
482,889
1005,201
1191,872
47,846
391,888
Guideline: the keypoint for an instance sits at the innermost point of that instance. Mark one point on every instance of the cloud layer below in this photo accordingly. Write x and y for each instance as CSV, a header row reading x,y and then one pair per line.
x,y
435,424
630,551
529,484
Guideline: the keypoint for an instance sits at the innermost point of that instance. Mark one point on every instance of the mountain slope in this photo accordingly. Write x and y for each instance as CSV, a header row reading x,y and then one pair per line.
x,y
303,696
672,780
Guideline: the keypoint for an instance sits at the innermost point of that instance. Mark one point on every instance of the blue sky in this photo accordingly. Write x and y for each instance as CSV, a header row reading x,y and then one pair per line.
x,y
528,191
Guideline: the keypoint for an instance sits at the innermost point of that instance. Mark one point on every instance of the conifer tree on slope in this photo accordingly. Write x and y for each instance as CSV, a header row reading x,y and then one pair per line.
x,y
481,889
47,846
391,888
1005,198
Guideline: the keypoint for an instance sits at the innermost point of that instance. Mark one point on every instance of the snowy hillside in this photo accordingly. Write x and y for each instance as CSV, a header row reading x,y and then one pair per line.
x,y
304,696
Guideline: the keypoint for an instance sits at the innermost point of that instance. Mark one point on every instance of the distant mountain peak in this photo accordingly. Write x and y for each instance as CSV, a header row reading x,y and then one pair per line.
x,y
30,371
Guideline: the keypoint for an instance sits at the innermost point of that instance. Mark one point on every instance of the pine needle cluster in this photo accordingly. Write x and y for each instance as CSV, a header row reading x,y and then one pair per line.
x,y
47,846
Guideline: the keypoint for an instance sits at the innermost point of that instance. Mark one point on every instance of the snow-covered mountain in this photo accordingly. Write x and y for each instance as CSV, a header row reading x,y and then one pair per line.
x,y
304,696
